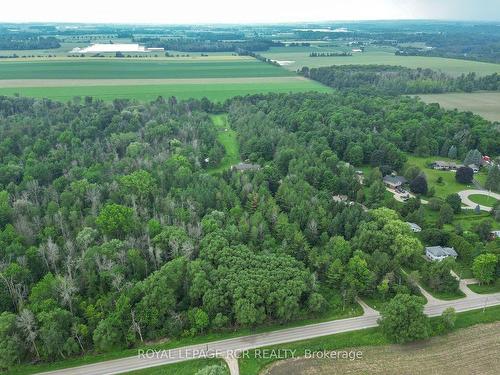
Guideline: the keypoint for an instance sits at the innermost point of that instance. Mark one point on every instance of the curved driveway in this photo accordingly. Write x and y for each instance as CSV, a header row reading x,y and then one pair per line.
x,y
464,196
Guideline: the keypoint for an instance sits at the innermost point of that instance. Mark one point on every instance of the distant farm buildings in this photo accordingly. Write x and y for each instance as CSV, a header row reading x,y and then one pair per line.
x,y
115,48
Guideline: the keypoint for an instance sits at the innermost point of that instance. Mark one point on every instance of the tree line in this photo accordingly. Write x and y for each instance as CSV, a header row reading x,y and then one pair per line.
x,y
398,80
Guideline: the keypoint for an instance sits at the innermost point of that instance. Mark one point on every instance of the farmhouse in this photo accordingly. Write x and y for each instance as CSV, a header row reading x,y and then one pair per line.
x,y
414,227
445,165
439,253
115,47
394,182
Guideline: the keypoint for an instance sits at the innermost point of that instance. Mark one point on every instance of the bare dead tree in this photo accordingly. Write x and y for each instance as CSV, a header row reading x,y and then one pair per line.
x,y
66,289
26,322
135,327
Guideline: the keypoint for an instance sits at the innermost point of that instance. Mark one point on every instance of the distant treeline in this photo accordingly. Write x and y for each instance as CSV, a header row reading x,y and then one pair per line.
x,y
21,42
329,54
487,53
397,80
190,45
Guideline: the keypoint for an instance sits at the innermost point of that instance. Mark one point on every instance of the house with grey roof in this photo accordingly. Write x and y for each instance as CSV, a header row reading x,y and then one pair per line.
x,y
414,227
439,253
394,182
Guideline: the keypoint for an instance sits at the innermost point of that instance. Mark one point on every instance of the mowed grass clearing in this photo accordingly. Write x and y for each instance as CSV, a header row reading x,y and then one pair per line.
x,y
215,91
485,104
228,138
483,200
299,57
447,186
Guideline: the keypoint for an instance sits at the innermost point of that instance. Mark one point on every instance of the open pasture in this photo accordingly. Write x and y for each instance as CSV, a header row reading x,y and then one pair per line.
x,y
299,56
485,104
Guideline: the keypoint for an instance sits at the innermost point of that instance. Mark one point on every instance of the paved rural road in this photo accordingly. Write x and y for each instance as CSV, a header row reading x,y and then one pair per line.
x,y
227,347
464,196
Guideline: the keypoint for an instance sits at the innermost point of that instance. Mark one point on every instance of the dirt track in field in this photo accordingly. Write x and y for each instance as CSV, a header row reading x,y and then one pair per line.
x,y
470,351
14,83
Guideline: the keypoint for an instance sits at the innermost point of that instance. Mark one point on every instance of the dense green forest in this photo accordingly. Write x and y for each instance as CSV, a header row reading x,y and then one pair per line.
x,y
397,80
27,42
113,231
209,44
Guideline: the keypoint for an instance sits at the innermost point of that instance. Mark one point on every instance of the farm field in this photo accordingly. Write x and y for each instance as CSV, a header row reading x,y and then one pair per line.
x,y
217,77
138,68
485,104
221,91
297,57
461,348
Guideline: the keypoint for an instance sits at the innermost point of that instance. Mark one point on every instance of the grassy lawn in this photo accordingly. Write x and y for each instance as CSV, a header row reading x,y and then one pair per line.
x,y
374,302
448,185
228,138
467,219
333,312
366,337
486,288
483,200
463,270
446,296
484,104
181,368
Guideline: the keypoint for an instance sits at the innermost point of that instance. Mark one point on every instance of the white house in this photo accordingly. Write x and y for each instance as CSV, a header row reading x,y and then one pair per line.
x,y
439,253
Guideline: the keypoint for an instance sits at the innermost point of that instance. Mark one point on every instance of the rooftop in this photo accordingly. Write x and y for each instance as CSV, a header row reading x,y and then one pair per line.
x,y
440,252
395,180
115,47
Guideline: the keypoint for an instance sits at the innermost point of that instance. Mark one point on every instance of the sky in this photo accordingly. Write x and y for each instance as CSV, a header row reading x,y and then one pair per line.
x,y
237,11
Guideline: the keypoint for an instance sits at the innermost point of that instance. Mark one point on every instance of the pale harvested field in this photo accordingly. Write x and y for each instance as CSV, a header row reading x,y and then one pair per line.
x,y
485,104
14,83
471,351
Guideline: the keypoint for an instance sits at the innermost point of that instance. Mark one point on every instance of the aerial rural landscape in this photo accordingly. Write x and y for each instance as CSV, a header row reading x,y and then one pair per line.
x,y
259,196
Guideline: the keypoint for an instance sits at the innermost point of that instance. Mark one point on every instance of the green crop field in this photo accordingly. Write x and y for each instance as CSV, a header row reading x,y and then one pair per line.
x,y
294,58
217,77
214,91
137,68
485,104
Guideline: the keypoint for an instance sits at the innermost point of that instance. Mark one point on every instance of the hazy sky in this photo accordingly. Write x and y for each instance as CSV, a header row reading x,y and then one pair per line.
x,y
246,11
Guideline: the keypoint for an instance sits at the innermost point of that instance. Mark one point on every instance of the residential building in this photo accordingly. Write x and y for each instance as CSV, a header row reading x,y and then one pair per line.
x,y
439,253
394,182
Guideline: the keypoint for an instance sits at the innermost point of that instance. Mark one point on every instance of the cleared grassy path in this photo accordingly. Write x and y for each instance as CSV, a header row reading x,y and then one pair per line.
x,y
228,138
